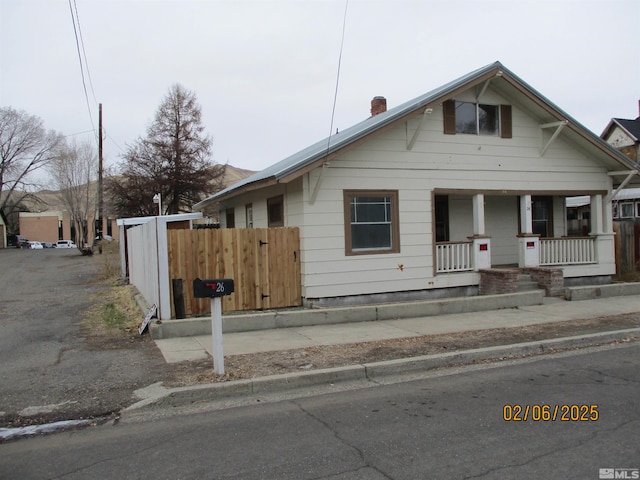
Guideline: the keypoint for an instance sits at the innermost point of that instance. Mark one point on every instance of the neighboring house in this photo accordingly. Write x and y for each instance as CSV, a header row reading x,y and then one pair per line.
x,y
626,204
3,229
625,136
417,200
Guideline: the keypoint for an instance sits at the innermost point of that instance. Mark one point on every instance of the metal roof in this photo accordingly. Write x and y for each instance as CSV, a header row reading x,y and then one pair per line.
x,y
335,142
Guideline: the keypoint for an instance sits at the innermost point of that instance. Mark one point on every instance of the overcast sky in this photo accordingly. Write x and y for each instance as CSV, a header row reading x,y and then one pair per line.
x,y
265,72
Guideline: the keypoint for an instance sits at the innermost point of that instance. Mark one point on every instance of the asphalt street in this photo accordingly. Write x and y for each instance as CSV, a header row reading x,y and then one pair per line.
x,y
48,370
451,426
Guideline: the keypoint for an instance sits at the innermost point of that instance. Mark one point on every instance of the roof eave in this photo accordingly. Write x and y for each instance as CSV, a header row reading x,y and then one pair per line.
x,y
257,185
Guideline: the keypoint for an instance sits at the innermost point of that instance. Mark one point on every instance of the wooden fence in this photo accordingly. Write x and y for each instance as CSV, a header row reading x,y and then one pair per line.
x,y
263,262
627,246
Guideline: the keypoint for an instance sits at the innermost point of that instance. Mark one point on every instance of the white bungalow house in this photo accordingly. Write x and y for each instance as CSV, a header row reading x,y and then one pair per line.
x,y
418,200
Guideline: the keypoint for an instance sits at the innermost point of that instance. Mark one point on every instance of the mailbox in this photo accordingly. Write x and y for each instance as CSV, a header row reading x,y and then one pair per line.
x,y
211,288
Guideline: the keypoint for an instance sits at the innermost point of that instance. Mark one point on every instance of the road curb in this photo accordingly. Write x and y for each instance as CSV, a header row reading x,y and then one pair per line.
x,y
156,395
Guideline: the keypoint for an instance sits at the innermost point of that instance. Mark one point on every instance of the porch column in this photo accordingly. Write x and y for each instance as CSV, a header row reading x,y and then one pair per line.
x,y
478,214
607,215
481,242
602,229
528,243
526,217
596,215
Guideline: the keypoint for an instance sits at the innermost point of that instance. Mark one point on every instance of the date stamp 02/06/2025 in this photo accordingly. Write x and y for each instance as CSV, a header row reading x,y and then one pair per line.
x,y
550,413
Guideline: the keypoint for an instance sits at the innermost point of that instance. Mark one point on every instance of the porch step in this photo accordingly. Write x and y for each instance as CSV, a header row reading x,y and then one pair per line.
x,y
526,284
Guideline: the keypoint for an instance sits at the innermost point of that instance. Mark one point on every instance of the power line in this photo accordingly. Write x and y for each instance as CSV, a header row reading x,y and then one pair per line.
x,y
106,134
84,85
84,53
335,95
80,133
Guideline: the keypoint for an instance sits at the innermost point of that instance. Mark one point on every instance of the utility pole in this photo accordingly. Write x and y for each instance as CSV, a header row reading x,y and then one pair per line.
x,y
100,199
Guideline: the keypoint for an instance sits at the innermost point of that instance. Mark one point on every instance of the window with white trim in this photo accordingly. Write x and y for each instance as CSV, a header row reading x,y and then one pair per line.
x,y
626,210
476,118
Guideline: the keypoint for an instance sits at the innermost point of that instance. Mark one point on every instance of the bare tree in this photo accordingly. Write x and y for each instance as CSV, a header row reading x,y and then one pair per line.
x,y
25,146
174,160
74,172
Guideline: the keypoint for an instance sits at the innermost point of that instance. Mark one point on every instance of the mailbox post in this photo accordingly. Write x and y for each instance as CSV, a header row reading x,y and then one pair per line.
x,y
215,289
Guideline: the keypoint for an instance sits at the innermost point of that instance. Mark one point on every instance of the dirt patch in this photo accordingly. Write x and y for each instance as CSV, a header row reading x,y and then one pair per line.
x,y
313,358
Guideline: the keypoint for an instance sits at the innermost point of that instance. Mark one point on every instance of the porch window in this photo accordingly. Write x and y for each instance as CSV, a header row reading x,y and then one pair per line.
x,y
275,211
442,218
371,222
542,216
477,118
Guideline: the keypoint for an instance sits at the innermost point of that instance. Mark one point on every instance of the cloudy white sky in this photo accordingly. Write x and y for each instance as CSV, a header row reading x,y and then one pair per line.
x,y
265,71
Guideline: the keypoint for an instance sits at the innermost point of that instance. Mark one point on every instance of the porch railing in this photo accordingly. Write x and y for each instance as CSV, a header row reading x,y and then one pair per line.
x,y
567,251
453,257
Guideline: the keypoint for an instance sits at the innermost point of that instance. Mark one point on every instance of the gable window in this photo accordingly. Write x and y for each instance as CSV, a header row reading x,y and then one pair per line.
x,y
476,118
275,212
371,222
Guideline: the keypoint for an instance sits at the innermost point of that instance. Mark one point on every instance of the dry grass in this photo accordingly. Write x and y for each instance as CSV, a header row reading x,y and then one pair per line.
x,y
115,311
109,261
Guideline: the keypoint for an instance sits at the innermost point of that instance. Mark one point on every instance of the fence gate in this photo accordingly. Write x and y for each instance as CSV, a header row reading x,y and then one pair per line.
x,y
264,263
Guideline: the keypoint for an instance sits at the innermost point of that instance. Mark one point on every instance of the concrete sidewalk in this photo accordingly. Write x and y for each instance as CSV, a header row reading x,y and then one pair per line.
x,y
552,310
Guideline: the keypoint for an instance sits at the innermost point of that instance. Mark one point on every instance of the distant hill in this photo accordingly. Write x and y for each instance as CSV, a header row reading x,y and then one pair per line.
x,y
234,174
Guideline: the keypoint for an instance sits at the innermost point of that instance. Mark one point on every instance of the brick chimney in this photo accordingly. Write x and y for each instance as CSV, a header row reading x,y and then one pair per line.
x,y
378,105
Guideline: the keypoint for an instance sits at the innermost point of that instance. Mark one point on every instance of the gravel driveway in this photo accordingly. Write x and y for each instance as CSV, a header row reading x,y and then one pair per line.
x,y
49,371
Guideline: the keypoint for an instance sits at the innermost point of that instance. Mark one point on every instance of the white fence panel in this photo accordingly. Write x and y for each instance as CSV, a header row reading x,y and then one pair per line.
x,y
143,260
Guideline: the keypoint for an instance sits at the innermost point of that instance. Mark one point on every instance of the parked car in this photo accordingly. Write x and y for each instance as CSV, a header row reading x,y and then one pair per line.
x,y
24,244
47,244
15,240
35,245
65,244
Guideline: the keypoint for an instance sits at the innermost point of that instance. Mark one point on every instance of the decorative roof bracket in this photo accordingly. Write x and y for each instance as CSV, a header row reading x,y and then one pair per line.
x,y
558,126
316,187
485,85
414,137
629,174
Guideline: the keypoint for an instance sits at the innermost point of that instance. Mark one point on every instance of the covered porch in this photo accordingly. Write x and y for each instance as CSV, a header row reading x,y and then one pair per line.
x,y
478,230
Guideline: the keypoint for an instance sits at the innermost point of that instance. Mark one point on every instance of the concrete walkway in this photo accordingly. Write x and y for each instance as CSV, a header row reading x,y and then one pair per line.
x,y
552,310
